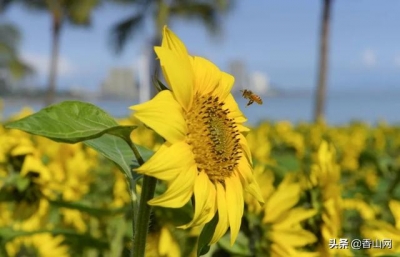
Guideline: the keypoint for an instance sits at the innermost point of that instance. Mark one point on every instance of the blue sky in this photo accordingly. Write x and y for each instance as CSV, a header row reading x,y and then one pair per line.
x,y
277,37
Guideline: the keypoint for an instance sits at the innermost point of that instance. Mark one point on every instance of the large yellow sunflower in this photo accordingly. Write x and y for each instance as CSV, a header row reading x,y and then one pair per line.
x,y
205,153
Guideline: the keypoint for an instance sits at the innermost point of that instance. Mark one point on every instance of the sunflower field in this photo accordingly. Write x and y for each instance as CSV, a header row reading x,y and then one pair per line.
x,y
185,176
328,191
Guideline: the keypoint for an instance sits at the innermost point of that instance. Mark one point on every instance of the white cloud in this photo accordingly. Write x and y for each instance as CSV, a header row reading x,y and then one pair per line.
x,y
40,63
369,58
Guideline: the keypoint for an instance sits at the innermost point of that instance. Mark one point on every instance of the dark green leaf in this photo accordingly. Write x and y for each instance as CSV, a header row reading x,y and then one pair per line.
x,y
206,236
118,151
115,149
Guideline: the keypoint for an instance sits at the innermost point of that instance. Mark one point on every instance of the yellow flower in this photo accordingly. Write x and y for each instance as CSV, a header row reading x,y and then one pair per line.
x,y
205,153
285,233
326,176
40,245
120,190
162,244
366,211
75,219
395,208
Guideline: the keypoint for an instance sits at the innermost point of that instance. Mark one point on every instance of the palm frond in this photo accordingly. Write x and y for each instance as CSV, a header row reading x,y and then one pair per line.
x,y
207,13
125,30
79,11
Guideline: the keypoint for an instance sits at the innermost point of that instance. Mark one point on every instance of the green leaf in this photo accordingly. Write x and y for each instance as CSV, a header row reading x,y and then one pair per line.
x,y
241,246
70,122
206,236
88,209
117,150
159,85
22,183
286,161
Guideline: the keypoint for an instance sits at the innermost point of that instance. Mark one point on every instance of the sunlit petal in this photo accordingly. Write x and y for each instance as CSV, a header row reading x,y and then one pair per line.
x,y
235,204
234,111
244,171
223,222
207,75
164,115
178,73
172,42
168,161
225,85
179,190
204,194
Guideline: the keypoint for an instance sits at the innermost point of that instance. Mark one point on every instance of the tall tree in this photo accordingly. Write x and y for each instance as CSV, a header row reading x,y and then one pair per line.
x,y
10,62
76,12
320,96
161,12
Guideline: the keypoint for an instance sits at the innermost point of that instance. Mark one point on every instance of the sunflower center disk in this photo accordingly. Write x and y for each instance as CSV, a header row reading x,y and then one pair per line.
x,y
213,137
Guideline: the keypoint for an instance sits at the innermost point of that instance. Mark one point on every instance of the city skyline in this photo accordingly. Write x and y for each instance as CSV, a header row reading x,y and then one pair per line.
x,y
279,39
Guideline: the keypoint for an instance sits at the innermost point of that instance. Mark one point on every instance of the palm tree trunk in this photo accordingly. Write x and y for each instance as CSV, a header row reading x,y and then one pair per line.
x,y
320,96
154,64
161,20
51,89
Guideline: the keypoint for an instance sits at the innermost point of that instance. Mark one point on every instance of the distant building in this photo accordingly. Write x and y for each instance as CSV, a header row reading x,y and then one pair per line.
x,y
144,75
237,68
120,83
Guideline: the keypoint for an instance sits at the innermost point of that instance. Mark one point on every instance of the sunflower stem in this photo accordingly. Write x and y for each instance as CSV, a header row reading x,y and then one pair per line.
x,y
143,217
140,224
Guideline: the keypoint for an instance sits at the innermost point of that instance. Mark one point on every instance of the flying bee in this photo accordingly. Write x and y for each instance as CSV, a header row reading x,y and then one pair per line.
x,y
248,94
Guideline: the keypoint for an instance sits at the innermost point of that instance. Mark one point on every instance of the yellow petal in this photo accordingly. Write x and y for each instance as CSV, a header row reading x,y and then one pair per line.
x,y
279,251
22,150
178,73
245,147
179,190
167,245
168,161
284,198
207,75
223,222
251,186
242,128
395,208
205,197
164,115
295,216
234,111
172,42
293,237
225,85
235,204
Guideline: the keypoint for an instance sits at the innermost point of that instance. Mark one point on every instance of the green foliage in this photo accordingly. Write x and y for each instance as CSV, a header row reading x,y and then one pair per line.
x,y
75,121
70,122
9,55
206,12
